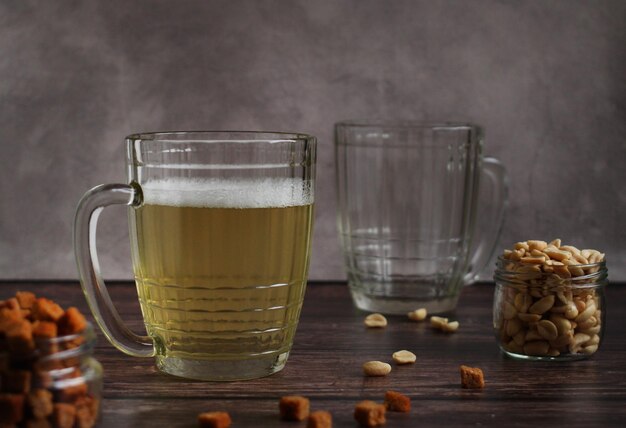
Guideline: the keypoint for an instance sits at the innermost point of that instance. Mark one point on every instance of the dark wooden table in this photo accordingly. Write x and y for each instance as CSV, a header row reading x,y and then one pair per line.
x,y
325,365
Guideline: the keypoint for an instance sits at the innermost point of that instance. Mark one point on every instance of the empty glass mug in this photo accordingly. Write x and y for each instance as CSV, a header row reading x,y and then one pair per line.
x,y
407,210
220,228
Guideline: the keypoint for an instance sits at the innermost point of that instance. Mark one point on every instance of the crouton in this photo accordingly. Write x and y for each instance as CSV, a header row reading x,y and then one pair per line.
x,y
396,402
16,381
86,412
472,377
26,299
11,408
320,419
8,318
369,414
63,415
45,329
294,408
72,322
214,420
40,403
19,338
46,310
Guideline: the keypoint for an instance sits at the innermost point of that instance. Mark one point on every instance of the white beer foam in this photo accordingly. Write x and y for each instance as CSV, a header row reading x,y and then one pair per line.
x,y
220,193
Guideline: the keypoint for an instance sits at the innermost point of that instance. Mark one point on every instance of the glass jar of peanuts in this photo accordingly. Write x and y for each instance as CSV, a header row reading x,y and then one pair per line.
x,y
52,380
549,301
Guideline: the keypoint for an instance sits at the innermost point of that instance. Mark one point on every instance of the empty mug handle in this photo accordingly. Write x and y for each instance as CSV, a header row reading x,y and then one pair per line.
x,y
85,224
494,171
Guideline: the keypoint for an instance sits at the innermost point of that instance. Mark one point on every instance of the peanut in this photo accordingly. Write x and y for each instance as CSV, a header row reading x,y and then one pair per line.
x,y
586,314
588,323
562,298
404,357
563,325
520,338
561,270
513,326
437,322
508,312
376,368
562,340
542,305
580,338
580,259
555,243
573,268
556,254
529,318
595,339
515,347
533,259
522,246
593,330
537,253
450,327
586,253
591,349
536,245
537,348
571,311
522,302
375,321
547,330
443,324
418,314
570,249
595,256
533,335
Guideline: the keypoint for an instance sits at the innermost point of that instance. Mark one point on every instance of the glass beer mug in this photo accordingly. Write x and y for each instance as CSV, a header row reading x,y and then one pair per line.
x,y
408,210
220,228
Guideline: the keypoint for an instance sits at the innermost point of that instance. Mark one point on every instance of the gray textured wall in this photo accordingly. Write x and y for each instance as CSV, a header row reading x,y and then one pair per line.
x,y
547,79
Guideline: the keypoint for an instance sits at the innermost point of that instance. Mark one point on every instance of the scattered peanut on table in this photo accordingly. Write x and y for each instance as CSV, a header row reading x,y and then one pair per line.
x,y
404,357
418,314
376,368
375,321
444,324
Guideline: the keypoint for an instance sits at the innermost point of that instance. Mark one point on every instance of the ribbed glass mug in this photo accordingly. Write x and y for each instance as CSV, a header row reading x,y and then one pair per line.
x,y
407,212
220,227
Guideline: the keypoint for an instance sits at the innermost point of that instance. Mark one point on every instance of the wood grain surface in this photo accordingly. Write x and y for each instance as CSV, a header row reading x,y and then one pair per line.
x,y
325,365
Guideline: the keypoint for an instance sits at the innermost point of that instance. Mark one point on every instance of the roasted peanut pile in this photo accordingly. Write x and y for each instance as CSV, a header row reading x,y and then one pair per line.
x,y
564,261
546,312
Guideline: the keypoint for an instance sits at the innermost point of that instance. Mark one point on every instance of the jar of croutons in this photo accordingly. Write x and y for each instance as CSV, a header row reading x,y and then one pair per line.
x,y
48,376
549,301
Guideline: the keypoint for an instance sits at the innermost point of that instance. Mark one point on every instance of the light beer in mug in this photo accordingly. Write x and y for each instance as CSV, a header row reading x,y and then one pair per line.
x,y
221,268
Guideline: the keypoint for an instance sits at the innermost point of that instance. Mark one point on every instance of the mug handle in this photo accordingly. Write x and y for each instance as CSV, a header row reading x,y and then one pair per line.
x,y
96,293
494,171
